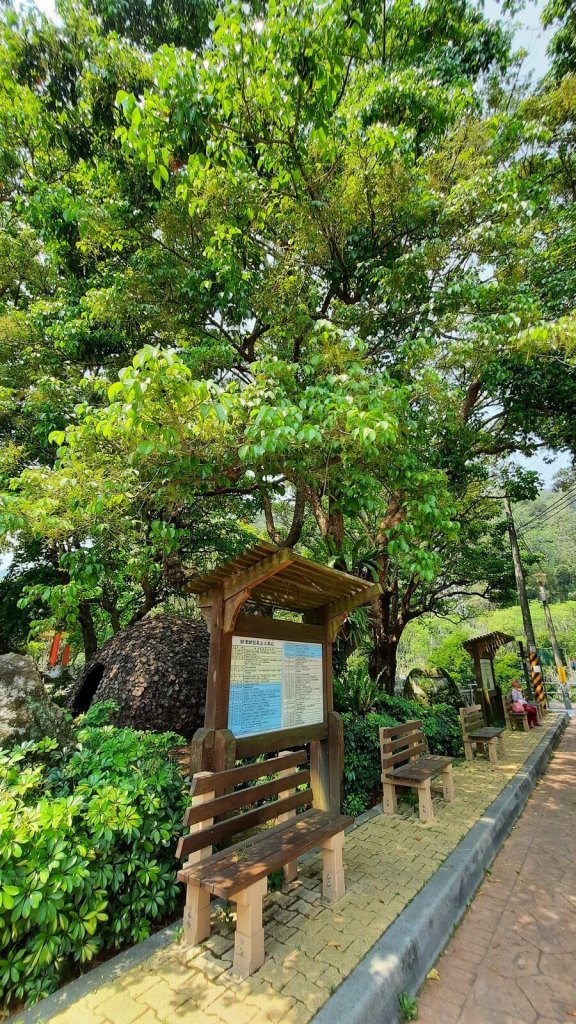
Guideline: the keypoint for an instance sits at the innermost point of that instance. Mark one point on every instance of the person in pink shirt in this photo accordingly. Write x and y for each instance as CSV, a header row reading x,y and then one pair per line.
x,y
519,704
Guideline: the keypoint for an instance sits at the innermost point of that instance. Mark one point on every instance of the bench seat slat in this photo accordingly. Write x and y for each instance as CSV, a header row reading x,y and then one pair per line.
x,y
487,733
401,741
392,731
424,768
474,723
242,865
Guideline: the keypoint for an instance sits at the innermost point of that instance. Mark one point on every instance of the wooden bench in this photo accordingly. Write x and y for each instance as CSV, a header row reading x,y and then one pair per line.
x,y
219,812
489,739
405,762
518,718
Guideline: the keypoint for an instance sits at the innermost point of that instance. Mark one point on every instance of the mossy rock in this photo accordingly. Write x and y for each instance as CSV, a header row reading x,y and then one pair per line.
x,y
26,710
432,686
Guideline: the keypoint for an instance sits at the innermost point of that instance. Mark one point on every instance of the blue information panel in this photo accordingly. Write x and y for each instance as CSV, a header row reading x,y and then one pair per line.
x,y
274,684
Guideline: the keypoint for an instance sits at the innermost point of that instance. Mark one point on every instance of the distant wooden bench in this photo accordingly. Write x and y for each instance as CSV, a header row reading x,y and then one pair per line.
x,y
474,731
239,872
405,762
518,719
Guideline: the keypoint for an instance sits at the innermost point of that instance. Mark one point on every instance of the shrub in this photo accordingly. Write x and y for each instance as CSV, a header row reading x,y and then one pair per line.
x,y
442,728
87,841
440,723
354,690
362,760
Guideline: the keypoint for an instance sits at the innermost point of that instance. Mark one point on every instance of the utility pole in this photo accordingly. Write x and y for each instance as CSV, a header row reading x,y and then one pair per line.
x,y
525,667
560,667
536,689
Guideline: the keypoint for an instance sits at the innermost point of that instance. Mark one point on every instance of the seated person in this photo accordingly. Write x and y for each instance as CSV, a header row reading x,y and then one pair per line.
x,y
519,704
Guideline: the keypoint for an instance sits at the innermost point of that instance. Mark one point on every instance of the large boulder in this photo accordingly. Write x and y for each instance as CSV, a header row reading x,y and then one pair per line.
x,y
432,686
156,672
26,710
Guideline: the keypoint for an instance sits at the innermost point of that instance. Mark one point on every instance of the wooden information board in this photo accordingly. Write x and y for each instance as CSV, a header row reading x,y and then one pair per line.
x,y
274,684
487,673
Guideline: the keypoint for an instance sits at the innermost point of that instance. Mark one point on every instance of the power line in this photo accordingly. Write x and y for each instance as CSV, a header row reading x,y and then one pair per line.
x,y
564,499
533,553
552,510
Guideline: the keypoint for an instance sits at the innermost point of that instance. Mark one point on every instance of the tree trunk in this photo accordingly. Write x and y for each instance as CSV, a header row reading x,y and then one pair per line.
x,y
382,660
89,637
386,632
345,646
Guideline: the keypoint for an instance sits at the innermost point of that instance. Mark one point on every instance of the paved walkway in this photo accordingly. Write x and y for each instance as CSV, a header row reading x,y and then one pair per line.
x,y
310,947
513,958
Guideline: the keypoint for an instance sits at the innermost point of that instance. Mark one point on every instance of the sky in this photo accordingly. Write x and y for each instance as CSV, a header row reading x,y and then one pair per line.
x,y
534,39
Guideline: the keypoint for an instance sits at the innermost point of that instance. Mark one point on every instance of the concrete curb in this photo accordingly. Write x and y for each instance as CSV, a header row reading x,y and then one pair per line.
x,y
402,957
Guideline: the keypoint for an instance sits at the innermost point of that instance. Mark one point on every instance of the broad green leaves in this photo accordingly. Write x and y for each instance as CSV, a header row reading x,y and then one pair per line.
x,y
86,848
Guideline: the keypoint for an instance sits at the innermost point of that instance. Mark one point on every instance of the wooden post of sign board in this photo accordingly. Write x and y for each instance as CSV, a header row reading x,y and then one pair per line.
x,y
214,747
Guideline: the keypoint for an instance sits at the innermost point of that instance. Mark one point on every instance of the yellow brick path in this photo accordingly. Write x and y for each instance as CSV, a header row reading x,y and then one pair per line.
x,y
310,947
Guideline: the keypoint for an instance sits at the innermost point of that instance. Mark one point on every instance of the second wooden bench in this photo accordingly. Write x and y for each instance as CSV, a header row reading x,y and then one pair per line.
x,y
406,762
476,732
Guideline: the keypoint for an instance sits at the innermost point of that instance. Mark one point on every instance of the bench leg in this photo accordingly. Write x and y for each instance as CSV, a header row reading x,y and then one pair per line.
x,y
196,915
249,937
468,751
448,790
333,868
501,750
492,752
291,871
389,802
525,725
425,801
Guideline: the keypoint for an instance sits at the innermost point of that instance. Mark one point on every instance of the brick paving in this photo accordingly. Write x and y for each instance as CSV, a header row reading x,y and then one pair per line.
x,y
310,946
513,958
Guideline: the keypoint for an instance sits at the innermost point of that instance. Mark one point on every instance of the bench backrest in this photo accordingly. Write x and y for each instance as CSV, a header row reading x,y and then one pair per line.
x,y
508,702
400,744
472,719
227,811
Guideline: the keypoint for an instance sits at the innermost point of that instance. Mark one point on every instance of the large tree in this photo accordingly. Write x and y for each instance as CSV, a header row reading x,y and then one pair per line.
x,y
326,217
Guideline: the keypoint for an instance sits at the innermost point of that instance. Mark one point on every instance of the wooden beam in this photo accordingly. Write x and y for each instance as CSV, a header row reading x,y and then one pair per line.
x,y
348,604
232,608
252,577
333,627
258,573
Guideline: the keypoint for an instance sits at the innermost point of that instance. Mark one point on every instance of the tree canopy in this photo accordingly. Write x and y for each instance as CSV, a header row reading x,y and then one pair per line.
x,y
294,269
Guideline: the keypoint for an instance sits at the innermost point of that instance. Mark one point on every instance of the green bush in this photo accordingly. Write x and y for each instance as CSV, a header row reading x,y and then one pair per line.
x,y
354,690
440,723
362,760
87,839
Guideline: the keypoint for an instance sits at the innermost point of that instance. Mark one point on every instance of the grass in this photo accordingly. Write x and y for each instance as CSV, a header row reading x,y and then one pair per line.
x,y
408,1007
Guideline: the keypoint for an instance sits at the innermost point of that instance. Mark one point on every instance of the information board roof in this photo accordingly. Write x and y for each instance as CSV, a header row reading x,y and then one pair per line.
x,y
280,578
488,643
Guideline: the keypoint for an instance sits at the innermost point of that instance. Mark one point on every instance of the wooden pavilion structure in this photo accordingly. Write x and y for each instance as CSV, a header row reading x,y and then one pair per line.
x,y
270,680
482,649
